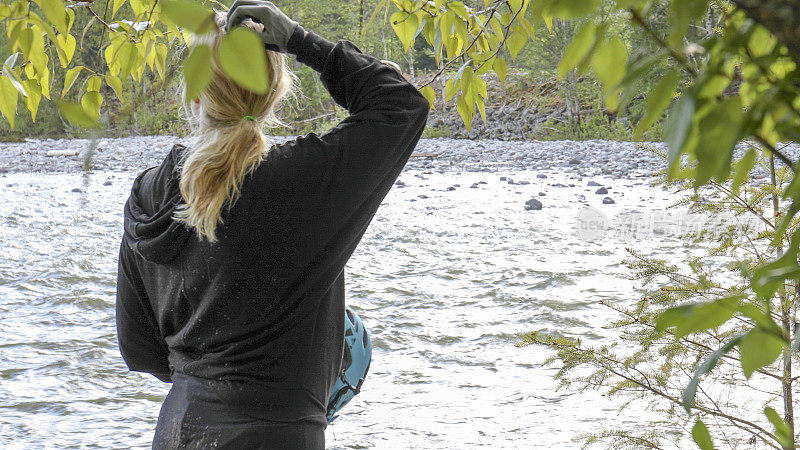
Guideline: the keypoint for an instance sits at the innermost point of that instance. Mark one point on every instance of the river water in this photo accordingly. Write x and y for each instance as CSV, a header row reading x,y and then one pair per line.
x,y
446,280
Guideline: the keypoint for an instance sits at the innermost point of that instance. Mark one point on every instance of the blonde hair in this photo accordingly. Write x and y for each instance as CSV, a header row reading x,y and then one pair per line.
x,y
227,146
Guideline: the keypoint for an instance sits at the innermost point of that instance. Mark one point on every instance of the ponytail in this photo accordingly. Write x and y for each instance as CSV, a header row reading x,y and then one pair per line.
x,y
229,142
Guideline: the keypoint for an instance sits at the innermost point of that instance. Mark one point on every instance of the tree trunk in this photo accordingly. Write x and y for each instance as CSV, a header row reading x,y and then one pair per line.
x,y
710,22
572,101
443,81
410,61
786,319
383,41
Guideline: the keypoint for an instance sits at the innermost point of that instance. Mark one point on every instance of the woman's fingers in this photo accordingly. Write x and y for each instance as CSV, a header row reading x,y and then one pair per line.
x,y
236,16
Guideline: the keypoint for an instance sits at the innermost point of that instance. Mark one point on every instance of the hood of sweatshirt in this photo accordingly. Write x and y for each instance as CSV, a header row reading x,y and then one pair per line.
x,y
148,227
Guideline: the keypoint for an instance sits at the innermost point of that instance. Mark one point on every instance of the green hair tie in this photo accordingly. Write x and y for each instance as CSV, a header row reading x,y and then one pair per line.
x,y
248,118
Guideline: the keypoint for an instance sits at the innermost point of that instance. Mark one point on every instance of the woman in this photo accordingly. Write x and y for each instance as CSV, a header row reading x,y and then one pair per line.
x,y
231,268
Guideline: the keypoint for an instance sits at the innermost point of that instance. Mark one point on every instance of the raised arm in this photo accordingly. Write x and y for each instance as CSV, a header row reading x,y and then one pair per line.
x,y
326,187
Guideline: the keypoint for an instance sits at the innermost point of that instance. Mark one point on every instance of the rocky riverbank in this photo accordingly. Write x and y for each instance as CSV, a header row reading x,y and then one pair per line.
x,y
584,158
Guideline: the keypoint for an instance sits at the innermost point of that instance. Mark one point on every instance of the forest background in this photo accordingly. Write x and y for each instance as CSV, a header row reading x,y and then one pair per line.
x,y
533,103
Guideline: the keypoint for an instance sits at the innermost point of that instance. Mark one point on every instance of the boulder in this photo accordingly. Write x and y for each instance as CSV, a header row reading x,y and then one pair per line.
x,y
533,205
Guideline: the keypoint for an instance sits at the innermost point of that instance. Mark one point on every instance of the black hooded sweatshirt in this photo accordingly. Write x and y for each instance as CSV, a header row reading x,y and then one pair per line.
x,y
262,309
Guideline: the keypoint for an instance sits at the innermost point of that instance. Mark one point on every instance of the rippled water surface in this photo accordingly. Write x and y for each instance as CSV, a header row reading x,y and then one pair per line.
x,y
446,280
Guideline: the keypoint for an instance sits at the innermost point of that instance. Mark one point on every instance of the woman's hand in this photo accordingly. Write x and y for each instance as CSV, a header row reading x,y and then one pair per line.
x,y
278,27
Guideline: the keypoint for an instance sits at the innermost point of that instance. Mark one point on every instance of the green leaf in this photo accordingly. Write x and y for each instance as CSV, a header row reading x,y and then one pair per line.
x,y
696,317
8,100
66,48
657,101
93,83
571,9
161,59
197,71
429,94
762,319
743,168
69,78
34,96
116,85
500,69
609,64
128,58
55,12
91,103
405,26
761,42
678,124
14,80
528,27
241,56
758,349
691,389
190,15
769,278
782,430
766,280
450,88
721,130
482,108
75,114
516,41
578,48
459,9
117,5
465,111
701,436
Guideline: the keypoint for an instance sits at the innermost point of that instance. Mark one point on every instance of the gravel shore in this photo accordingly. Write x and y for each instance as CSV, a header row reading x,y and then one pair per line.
x,y
133,154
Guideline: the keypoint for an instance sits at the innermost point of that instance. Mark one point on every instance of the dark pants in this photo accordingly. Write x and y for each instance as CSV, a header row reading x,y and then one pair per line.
x,y
193,417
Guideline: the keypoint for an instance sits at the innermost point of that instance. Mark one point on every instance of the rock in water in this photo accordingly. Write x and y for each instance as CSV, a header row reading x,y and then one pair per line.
x,y
593,184
541,175
533,204
608,201
574,161
601,191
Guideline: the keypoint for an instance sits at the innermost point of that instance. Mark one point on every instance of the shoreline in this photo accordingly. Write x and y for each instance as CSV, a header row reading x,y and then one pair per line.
x,y
616,159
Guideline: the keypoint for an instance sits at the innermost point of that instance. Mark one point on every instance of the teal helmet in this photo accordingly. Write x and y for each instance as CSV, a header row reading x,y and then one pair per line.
x,y
355,363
